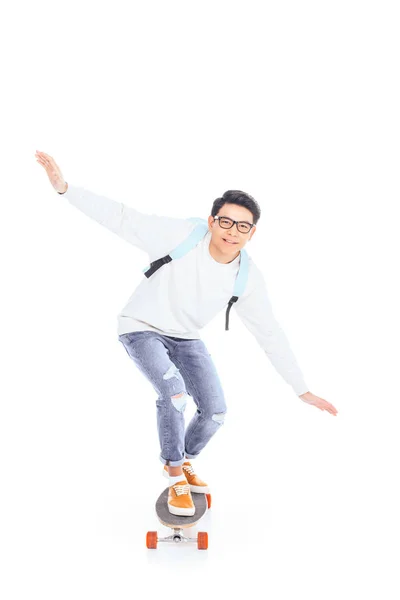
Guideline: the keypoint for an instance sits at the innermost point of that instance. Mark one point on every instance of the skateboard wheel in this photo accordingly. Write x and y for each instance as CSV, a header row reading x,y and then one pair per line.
x,y
151,539
208,496
202,540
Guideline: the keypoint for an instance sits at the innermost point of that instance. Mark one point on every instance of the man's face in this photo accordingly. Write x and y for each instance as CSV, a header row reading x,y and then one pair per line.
x,y
235,239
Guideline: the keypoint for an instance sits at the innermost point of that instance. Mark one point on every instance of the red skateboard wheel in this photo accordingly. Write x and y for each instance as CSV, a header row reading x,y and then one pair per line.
x,y
151,539
202,540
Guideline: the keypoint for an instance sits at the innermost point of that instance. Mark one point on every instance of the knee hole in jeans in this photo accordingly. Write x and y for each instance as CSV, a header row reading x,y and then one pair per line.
x,y
219,418
179,401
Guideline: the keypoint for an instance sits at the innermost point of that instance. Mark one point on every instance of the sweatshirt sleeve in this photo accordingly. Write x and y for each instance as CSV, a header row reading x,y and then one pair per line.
x,y
255,311
156,235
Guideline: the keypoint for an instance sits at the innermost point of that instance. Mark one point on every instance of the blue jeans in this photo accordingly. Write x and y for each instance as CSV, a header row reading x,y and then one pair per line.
x,y
178,368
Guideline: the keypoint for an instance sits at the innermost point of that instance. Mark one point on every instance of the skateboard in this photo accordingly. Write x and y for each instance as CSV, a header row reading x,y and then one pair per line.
x,y
178,523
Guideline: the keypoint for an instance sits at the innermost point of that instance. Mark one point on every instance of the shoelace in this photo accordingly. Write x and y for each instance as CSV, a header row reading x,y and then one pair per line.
x,y
182,489
189,469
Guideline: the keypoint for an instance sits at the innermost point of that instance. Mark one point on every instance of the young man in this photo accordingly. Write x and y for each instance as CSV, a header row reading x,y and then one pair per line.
x,y
159,326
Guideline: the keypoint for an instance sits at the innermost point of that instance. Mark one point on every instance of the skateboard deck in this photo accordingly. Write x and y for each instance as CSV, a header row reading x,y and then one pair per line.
x,y
178,523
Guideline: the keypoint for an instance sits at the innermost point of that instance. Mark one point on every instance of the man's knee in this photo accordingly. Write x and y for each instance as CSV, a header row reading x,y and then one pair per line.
x,y
179,401
219,417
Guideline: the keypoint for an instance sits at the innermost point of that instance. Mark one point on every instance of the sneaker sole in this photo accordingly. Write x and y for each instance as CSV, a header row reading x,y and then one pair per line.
x,y
181,512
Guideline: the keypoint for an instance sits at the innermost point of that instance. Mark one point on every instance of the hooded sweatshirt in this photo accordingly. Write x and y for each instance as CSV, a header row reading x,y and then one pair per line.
x,y
181,297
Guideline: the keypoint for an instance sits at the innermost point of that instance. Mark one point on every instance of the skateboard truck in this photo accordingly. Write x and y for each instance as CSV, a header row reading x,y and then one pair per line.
x,y
177,537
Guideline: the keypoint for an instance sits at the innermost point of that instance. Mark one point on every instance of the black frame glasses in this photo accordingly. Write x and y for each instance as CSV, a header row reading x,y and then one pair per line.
x,y
237,223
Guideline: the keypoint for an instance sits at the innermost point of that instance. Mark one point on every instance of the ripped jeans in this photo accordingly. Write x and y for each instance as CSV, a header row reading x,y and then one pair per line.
x,y
178,368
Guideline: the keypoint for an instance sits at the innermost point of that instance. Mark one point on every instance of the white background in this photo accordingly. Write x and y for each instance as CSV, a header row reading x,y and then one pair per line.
x,y
164,106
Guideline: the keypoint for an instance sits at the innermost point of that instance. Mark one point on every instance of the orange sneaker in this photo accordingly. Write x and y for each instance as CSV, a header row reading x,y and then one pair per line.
x,y
180,500
197,485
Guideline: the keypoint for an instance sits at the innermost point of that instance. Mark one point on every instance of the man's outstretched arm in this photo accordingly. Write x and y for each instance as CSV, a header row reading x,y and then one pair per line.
x,y
154,234
255,311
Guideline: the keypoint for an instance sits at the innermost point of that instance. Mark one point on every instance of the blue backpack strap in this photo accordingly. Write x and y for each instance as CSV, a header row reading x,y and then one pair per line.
x,y
197,220
241,278
240,283
183,248
191,241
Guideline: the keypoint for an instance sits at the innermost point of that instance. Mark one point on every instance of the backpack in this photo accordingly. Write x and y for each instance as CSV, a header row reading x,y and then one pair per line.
x,y
188,244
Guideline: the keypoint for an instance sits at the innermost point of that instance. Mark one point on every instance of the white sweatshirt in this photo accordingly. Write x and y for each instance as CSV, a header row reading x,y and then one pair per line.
x,y
184,295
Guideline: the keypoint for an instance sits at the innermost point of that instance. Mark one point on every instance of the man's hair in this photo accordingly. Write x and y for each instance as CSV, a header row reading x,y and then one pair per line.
x,y
240,198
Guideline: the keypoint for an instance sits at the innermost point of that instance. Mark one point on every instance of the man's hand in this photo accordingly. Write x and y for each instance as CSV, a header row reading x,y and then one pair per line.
x,y
318,402
53,171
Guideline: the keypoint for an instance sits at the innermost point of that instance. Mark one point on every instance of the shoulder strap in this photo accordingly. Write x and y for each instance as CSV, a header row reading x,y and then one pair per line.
x,y
240,283
183,248
192,240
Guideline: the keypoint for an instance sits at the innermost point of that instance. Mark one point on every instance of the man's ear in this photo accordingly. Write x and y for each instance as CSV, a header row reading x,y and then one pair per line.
x,y
253,230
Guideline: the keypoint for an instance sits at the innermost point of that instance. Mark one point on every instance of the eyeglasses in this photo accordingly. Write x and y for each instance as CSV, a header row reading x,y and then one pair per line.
x,y
227,223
